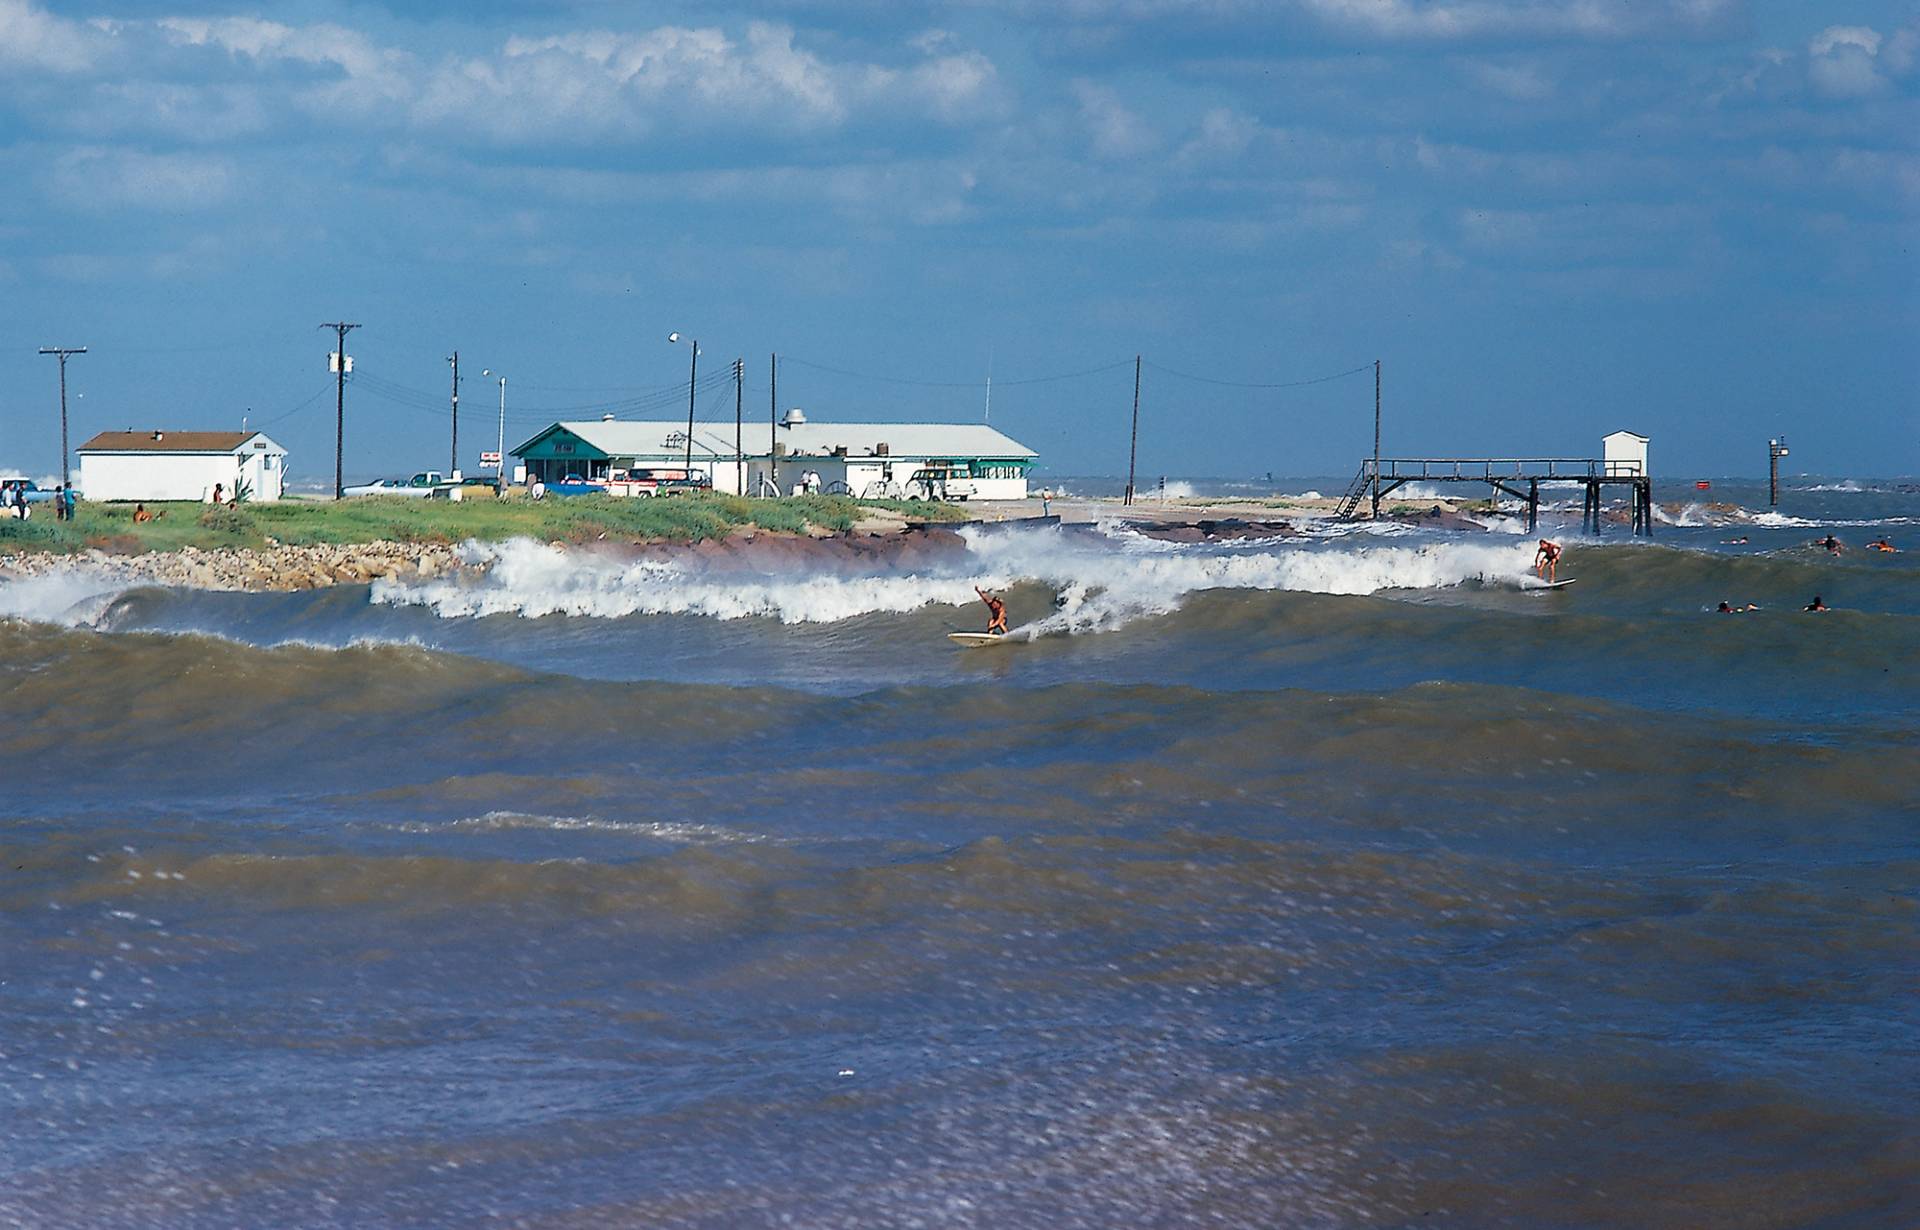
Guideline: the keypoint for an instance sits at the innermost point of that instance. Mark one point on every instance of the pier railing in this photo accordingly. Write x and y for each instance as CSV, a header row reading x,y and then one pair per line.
x,y
1520,477
1483,469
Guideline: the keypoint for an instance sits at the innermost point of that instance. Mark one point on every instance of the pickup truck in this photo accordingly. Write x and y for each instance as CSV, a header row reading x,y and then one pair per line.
x,y
36,494
647,482
424,483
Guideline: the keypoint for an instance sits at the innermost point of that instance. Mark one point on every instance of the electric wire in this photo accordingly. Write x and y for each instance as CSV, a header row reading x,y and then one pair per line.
x,y
1243,384
955,384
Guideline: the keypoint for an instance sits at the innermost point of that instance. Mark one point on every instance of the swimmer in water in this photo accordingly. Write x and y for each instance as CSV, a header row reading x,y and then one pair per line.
x,y
1815,605
1881,544
1735,542
1833,545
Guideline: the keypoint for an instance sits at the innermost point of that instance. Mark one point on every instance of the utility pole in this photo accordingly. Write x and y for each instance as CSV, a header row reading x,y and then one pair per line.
x,y
739,441
66,476
341,365
1133,448
1776,449
453,454
1376,439
693,372
773,423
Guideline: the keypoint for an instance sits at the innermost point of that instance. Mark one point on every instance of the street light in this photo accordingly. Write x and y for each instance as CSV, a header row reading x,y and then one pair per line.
x,y
500,464
693,369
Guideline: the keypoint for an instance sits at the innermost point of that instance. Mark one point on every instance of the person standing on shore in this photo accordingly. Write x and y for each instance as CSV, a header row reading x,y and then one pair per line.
x,y
72,500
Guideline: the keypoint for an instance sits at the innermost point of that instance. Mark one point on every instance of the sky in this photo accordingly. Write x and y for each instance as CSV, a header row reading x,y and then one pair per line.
x,y
1547,219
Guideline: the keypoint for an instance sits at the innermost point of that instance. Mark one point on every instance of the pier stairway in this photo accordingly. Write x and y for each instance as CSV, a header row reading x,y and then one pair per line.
x,y
1356,491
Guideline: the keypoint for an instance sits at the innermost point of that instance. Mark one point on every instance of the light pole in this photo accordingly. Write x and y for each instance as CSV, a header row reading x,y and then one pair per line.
x,y
1776,449
500,466
693,370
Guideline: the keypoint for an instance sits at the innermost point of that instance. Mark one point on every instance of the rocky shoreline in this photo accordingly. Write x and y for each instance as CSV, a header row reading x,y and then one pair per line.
x,y
278,567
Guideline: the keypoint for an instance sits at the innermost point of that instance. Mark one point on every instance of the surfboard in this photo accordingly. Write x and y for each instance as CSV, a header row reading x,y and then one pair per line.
x,y
973,639
1559,584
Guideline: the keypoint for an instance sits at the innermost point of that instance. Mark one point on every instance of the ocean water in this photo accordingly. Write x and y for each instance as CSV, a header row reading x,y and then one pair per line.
x,y
1342,881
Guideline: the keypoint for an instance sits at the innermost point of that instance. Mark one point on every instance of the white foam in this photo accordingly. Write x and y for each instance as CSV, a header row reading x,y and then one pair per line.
x,y
678,833
1101,583
71,597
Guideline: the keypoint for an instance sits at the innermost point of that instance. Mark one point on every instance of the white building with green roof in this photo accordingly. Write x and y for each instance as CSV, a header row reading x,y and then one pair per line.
x,y
870,460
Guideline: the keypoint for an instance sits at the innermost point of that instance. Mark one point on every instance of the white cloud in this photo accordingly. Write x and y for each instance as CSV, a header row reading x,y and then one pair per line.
x,y
1843,62
1223,134
104,178
1114,130
32,38
1464,19
1520,82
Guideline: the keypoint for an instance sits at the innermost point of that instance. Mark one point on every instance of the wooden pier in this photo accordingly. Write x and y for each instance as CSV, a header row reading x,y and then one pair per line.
x,y
1519,477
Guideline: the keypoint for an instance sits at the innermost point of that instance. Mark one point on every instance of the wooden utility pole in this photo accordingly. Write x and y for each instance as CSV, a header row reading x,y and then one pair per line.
x,y
1376,439
739,441
453,454
693,371
340,329
1133,446
773,423
66,475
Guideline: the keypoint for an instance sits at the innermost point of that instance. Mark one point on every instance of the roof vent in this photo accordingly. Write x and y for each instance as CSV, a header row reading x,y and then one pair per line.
x,y
607,417
159,435
795,417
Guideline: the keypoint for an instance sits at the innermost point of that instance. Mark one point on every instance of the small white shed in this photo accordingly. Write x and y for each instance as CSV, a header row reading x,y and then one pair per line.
x,y
1626,454
181,465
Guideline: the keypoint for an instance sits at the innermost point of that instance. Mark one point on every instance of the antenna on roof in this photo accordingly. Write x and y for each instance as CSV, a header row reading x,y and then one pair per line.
x,y
989,417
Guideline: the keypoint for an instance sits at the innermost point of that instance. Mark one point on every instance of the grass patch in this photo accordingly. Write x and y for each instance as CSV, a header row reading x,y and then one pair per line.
x,y
110,527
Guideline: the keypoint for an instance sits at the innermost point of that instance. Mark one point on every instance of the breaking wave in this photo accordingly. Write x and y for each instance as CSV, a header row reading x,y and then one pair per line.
x,y
1099,584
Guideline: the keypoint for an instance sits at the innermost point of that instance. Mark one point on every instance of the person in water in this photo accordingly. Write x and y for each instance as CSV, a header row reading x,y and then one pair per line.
x,y
996,611
1727,608
1546,561
1815,605
1833,545
1881,544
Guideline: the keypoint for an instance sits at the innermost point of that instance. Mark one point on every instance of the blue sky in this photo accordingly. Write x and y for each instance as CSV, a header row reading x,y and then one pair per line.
x,y
1694,218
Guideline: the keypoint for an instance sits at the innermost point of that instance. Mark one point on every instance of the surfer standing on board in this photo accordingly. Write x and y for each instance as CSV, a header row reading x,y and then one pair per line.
x,y
996,610
1546,561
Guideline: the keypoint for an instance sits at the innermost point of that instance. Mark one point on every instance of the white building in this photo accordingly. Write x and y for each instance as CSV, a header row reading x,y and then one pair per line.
x,y
181,465
1626,454
871,460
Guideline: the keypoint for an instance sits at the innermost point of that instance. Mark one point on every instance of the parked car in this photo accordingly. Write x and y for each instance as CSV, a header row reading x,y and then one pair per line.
x,y
576,484
36,494
941,483
420,485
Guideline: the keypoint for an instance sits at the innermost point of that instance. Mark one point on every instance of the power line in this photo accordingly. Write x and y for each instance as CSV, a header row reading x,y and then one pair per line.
x,y
1241,384
281,418
955,384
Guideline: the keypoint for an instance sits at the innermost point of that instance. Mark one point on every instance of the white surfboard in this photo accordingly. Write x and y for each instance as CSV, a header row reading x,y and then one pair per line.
x,y
1556,584
974,639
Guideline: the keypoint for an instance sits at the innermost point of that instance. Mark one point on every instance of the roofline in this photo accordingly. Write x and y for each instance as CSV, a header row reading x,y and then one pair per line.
x,y
190,452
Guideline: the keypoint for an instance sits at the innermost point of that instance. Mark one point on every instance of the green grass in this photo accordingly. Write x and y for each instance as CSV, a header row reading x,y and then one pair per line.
x,y
111,527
